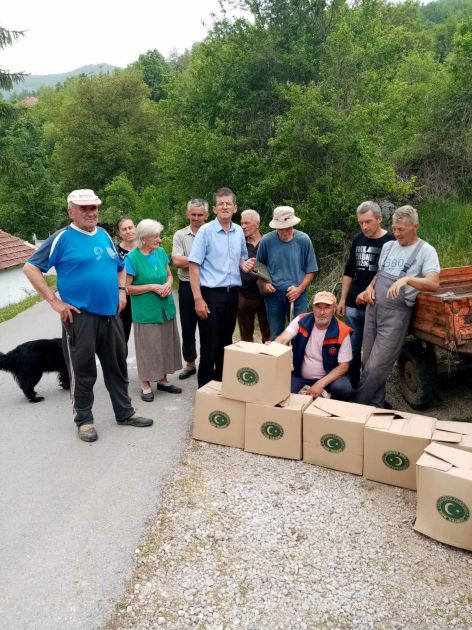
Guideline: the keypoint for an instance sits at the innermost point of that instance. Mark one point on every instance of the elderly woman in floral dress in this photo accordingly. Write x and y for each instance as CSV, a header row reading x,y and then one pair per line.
x,y
156,337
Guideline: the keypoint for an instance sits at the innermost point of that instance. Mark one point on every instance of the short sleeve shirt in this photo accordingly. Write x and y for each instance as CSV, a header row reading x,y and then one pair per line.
x,y
181,246
288,261
393,257
87,265
218,253
312,366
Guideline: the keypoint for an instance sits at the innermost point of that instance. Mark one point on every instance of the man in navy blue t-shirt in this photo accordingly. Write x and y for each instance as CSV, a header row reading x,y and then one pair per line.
x,y
91,286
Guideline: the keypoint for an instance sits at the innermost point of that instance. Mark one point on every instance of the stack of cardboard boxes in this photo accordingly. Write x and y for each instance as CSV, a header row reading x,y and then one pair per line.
x,y
253,409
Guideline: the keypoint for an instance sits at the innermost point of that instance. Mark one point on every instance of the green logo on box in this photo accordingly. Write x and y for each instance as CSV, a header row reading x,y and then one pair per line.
x,y
396,460
219,419
247,376
453,509
272,430
332,443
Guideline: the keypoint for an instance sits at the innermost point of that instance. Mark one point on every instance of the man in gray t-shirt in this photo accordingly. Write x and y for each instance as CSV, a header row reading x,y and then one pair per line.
x,y
197,214
406,267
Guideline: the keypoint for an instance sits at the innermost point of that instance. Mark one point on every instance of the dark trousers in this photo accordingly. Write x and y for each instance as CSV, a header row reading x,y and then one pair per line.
x,y
86,336
248,309
188,321
216,332
126,320
278,310
340,389
355,318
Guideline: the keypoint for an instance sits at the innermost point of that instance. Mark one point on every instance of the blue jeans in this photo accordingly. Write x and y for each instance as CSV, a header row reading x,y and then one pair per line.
x,y
340,389
278,310
355,318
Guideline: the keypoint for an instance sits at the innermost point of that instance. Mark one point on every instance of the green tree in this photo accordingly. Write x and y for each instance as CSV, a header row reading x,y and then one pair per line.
x,y
119,199
30,198
106,126
155,73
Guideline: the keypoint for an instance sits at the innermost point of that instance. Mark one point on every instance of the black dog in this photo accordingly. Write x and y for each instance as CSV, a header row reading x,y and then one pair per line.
x,y
28,362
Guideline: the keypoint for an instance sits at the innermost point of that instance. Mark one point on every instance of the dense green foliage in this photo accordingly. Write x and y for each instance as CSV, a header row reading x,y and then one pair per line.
x,y
315,104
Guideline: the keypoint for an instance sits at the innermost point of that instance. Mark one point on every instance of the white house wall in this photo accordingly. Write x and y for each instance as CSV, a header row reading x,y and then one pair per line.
x,y
14,286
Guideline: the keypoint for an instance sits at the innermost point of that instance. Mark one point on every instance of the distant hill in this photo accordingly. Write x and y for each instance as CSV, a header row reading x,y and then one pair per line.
x,y
33,82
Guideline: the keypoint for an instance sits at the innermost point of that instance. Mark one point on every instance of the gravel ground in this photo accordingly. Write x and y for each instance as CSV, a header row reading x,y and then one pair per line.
x,y
247,541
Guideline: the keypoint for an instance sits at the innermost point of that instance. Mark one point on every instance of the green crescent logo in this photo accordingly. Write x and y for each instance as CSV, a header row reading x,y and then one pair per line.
x,y
453,509
395,460
332,443
219,419
247,376
272,430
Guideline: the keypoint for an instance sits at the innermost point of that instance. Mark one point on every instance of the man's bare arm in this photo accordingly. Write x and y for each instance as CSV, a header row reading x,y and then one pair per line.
x,y
294,292
340,370
429,283
367,296
284,338
37,279
180,262
346,285
201,307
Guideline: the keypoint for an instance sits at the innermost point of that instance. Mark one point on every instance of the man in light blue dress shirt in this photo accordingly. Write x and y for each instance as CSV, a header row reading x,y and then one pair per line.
x,y
218,254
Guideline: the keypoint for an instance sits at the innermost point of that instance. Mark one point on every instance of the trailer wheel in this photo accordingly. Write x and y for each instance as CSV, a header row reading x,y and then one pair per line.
x,y
418,374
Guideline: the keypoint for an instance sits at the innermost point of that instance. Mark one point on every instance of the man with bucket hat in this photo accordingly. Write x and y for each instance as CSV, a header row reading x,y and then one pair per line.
x,y
322,351
291,262
91,285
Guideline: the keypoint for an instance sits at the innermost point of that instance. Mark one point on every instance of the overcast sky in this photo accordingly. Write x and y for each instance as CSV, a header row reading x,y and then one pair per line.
x,y
63,35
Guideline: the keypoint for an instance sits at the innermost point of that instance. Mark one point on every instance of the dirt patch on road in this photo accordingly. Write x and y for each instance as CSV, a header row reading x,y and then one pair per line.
x,y
454,394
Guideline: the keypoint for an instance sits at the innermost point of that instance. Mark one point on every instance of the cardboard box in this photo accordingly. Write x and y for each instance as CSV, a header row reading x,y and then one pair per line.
x,y
276,431
217,419
392,446
254,372
444,500
333,434
455,434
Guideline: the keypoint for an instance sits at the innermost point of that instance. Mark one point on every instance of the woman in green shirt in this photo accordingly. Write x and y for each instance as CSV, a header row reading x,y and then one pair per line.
x,y
156,337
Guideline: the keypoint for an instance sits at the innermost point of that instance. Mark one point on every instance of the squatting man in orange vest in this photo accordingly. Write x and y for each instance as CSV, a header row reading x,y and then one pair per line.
x,y
322,350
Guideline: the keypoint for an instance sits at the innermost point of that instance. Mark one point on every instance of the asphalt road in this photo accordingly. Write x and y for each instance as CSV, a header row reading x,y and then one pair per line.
x,y
72,513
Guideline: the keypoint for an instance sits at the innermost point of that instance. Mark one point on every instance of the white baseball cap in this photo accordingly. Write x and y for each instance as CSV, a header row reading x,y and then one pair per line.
x,y
84,197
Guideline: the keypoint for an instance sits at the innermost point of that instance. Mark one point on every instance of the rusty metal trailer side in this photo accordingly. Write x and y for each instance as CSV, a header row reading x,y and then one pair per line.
x,y
444,318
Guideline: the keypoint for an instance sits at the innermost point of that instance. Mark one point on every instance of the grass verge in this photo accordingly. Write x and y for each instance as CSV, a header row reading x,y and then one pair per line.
x,y
447,225
10,311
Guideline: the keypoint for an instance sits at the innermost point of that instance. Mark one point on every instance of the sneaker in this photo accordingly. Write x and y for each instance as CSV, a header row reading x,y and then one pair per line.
x,y
87,433
137,421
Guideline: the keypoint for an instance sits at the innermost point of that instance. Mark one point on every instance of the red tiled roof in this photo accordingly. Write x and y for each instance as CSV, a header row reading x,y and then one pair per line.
x,y
13,251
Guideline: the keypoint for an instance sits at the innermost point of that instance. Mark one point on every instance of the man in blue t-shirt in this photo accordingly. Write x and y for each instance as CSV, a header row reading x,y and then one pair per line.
x,y
91,285
290,259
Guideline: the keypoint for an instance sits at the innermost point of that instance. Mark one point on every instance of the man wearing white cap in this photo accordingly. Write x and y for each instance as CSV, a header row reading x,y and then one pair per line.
x,y
322,351
91,285
290,259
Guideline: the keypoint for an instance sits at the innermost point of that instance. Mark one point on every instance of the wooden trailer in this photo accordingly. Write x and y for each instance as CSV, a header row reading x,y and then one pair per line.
x,y
441,319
